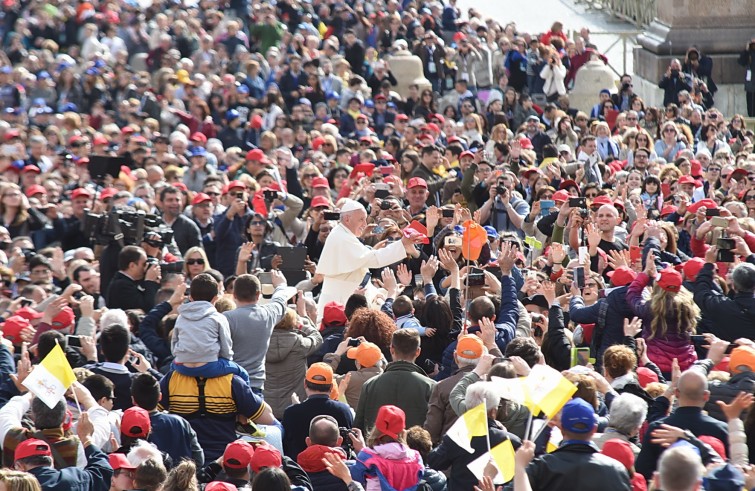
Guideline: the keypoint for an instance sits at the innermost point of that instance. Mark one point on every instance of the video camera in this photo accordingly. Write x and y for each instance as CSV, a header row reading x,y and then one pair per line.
x,y
124,225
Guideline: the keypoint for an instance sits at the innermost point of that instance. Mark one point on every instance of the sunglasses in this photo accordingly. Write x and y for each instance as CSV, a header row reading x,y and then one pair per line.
x,y
192,262
236,195
257,222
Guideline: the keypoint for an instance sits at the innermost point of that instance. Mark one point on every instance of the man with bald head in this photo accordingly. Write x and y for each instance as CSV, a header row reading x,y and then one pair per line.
x,y
692,394
345,261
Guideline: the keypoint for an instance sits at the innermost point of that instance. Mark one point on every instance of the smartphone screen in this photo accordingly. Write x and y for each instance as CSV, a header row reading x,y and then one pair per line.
x,y
579,276
365,280
580,357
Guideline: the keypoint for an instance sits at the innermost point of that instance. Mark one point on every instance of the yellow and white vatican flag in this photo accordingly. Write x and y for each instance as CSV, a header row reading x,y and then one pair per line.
x,y
501,457
50,380
471,424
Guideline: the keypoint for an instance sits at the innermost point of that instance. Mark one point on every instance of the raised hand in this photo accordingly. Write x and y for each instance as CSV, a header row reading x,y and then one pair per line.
x,y
633,327
403,274
507,259
734,409
447,260
428,269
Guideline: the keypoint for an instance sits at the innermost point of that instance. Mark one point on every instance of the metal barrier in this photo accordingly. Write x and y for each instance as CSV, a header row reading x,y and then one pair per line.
x,y
638,12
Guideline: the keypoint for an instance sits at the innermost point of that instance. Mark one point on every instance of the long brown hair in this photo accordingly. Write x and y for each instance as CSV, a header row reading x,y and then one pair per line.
x,y
678,306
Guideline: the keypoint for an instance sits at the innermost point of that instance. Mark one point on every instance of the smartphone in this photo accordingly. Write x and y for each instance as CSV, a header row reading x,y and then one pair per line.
x,y
73,341
583,254
418,281
447,213
580,357
712,212
365,280
265,278
382,193
453,241
476,279
578,203
719,221
726,244
354,342
309,296
635,254
331,215
697,339
579,276
545,206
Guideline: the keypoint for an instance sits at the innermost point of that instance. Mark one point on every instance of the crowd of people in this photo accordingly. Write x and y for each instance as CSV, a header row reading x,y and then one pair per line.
x,y
273,267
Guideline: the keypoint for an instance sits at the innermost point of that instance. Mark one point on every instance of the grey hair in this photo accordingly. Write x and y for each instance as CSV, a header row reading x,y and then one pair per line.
x,y
627,413
679,469
115,316
480,392
743,278
142,451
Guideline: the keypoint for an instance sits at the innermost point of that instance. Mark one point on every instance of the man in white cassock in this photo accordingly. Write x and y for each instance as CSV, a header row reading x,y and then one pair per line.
x,y
345,260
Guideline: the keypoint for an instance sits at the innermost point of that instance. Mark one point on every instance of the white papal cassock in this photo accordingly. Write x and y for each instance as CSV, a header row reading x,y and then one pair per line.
x,y
344,262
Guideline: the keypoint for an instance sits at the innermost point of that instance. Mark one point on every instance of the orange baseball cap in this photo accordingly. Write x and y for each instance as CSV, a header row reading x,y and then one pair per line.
x,y
367,354
470,347
320,373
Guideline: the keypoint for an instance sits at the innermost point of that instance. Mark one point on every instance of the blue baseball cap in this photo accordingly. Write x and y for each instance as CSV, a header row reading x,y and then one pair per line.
x,y
492,232
332,95
242,89
368,103
43,75
578,416
6,69
70,107
198,152
231,114
92,71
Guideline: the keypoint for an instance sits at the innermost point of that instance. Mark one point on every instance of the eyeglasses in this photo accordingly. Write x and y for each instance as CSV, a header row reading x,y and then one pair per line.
x,y
669,130
310,176
257,223
236,195
192,262
713,169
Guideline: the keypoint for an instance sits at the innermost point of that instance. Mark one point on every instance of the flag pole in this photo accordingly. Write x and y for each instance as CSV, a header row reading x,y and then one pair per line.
x,y
75,399
528,428
541,429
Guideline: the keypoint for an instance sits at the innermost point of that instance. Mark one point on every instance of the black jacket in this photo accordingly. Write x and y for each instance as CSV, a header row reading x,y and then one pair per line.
x,y
686,418
577,466
186,233
734,317
727,391
450,455
125,293
94,477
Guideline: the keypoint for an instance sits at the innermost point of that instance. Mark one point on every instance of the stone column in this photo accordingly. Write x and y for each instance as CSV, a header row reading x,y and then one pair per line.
x,y
719,28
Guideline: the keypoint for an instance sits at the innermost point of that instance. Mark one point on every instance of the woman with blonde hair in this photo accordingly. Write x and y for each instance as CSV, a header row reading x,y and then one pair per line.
x,y
195,262
669,317
294,338
18,481
18,216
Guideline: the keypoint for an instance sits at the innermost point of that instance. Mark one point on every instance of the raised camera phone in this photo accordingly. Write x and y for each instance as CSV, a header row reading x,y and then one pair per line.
x,y
270,194
545,206
365,280
73,341
712,212
418,281
697,338
382,190
331,215
580,357
579,276
265,278
354,342
578,203
385,205
447,212
475,277
720,222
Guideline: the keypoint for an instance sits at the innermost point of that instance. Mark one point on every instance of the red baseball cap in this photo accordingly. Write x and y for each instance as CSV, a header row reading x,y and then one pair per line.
x,y
620,451
79,192
692,267
602,200
28,313
12,133
200,198
402,117
317,142
696,168
32,448
320,182
525,143
646,376
198,137
265,456
621,276
108,193
100,140
31,168
119,461
35,189
255,154
333,315
13,326
181,186
64,319
561,195
365,168
708,203
668,210
568,183
415,182
135,422
319,201
238,455
466,153
220,486
670,280
235,184
687,180
390,421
